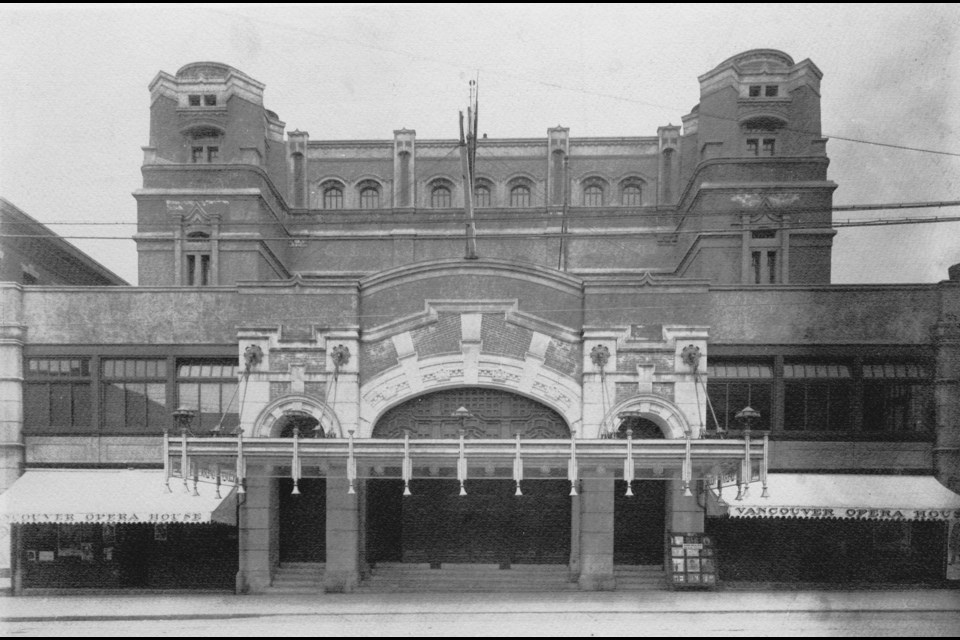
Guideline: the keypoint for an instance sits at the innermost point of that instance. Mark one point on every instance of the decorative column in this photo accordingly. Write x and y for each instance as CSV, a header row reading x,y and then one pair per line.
x,y
11,408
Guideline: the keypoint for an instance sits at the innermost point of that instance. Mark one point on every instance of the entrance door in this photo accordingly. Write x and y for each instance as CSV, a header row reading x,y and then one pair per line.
x,y
490,525
303,521
639,522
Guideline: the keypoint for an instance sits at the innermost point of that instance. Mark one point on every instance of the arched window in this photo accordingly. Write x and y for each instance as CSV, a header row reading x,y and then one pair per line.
x,y
369,197
481,196
520,196
593,196
332,197
632,195
440,197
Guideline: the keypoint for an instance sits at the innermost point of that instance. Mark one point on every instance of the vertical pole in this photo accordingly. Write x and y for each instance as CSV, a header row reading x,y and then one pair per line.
x,y
471,252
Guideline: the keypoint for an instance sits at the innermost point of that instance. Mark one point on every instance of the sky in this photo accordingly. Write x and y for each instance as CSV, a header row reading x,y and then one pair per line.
x,y
74,103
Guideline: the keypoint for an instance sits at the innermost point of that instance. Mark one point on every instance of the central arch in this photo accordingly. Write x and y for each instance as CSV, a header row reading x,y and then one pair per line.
x,y
493,413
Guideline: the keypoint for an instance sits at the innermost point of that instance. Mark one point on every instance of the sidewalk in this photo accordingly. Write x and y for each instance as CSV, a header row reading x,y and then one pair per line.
x,y
226,606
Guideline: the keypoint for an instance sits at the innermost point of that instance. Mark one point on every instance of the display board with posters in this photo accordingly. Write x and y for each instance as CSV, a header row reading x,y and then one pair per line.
x,y
693,561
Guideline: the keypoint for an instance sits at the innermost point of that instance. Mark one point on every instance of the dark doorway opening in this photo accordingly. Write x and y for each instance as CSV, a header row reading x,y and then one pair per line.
x,y
303,521
639,522
488,525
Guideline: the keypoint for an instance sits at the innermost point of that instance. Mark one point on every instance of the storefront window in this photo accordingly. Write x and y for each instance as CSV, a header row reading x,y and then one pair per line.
x,y
57,395
897,398
733,385
210,388
817,396
134,396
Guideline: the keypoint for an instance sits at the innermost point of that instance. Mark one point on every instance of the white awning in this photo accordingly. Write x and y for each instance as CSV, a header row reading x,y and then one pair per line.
x,y
853,497
70,496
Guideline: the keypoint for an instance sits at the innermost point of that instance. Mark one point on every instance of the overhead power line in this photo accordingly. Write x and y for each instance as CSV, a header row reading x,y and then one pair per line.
x,y
324,37
603,214
456,234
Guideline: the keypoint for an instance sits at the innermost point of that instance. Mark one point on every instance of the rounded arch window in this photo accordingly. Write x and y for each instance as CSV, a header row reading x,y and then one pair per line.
x,y
640,428
520,196
593,195
481,195
440,197
369,196
306,426
332,196
632,195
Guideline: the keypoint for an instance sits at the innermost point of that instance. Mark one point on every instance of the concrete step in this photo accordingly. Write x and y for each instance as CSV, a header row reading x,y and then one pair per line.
x,y
297,577
409,578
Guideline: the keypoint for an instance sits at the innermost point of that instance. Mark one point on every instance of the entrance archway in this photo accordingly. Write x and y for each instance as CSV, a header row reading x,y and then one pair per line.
x,y
488,525
639,520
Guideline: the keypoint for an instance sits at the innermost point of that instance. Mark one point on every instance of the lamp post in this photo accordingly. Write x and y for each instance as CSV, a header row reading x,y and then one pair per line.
x,y
183,417
748,417
463,413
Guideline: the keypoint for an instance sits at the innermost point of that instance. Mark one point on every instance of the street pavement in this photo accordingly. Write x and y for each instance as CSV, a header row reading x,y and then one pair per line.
x,y
645,613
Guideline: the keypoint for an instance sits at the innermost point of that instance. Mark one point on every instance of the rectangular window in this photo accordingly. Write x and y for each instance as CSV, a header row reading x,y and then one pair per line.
x,y
194,100
771,90
763,265
736,384
769,147
817,396
897,398
196,154
213,153
134,396
210,100
755,90
210,387
198,269
753,147
56,395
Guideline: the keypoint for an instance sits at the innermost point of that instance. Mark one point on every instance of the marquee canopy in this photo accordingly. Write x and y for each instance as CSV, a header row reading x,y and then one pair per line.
x,y
71,496
852,497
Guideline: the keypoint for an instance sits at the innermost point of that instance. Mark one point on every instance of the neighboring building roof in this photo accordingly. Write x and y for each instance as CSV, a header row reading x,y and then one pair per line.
x,y
83,270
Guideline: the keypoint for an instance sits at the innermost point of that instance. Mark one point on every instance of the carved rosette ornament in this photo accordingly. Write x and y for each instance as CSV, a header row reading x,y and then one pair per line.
x,y
600,355
691,356
339,355
252,356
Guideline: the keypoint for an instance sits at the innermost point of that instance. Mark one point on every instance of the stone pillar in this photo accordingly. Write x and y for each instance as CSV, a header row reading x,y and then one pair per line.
x,y
596,533
684,514
11,409
259,529
343,534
